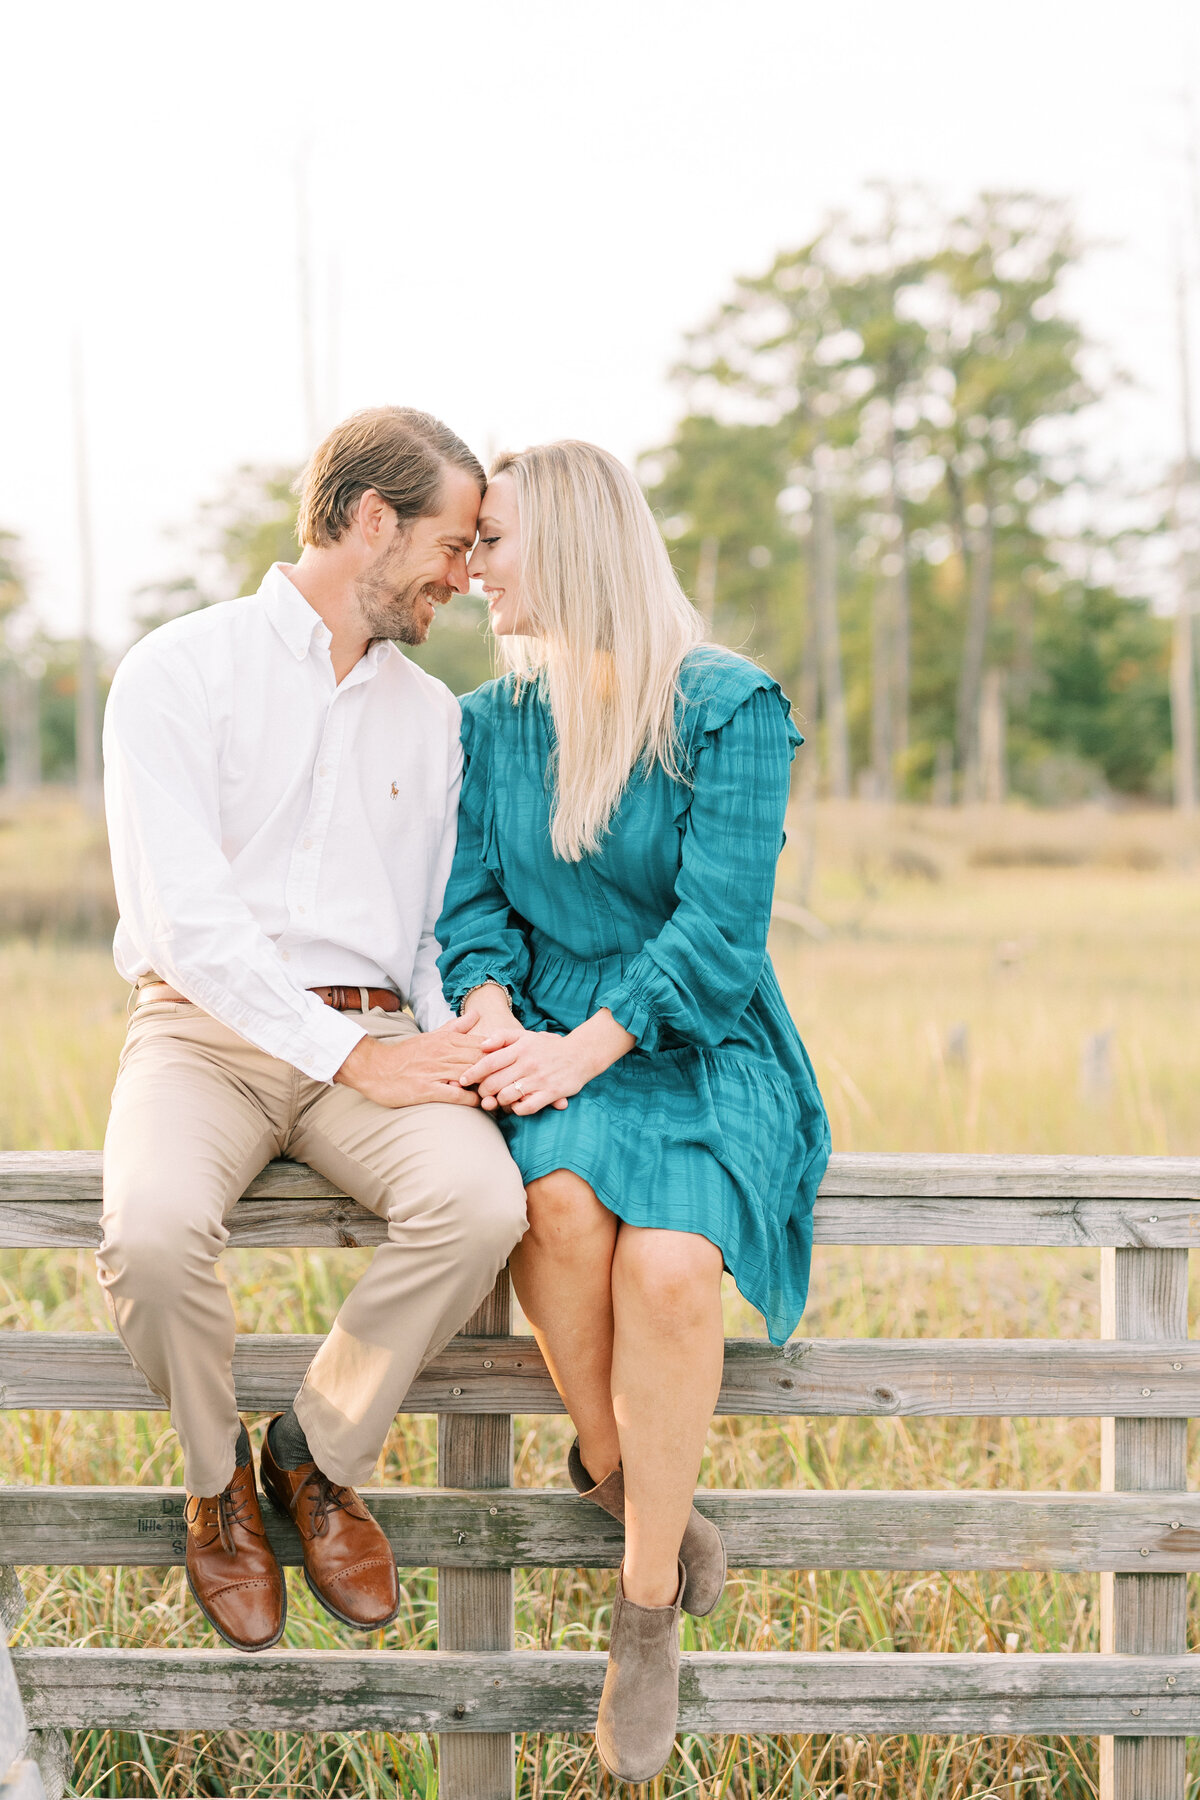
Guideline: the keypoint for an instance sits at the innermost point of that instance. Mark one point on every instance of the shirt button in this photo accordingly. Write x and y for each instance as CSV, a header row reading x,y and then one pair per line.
x,y
323,770
286,955
301,909
307,844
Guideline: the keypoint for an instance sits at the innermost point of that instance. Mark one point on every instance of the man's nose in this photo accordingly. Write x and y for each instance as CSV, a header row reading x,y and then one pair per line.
x,y
460,575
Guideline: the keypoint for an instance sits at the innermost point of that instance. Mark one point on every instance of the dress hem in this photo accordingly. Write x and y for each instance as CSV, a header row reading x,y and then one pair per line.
x,y
622,1212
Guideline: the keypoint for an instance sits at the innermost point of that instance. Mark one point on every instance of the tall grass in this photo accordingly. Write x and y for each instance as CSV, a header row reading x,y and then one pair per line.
x,y
1033,951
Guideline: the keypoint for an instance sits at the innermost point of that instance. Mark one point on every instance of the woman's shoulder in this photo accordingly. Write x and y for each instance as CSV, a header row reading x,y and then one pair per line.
x,y
484,705
715,683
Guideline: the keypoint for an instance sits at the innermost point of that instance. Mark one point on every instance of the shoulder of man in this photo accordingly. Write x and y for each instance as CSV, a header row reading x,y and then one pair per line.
x,y
179,644
431,692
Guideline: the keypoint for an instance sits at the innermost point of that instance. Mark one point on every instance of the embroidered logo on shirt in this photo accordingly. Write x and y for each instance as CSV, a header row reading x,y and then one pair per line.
x,y
395,792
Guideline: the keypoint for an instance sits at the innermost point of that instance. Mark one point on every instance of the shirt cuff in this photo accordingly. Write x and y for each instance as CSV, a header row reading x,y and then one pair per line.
x,y
327,1044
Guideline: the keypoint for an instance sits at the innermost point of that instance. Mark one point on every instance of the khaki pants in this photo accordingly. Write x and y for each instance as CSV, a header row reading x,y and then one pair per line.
x,y
196,1113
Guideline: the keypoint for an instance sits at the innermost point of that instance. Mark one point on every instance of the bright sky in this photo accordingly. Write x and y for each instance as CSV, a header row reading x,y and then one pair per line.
x,y
516,212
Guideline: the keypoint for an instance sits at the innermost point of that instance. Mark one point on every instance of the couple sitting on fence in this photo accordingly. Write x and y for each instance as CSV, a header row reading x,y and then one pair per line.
x,y
320,858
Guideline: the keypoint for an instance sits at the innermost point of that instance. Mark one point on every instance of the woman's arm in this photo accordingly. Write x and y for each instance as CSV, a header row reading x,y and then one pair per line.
x,y
485,947
696,977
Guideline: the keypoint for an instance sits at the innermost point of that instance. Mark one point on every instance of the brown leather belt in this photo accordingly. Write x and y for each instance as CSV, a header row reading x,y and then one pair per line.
x,y
342,999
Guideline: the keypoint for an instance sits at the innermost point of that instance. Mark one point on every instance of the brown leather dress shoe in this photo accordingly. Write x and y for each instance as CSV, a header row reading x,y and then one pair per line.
x,y
348,1562
231,1568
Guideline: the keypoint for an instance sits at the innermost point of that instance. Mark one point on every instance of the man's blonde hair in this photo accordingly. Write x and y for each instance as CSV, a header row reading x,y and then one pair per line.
x,y
397,451
609,628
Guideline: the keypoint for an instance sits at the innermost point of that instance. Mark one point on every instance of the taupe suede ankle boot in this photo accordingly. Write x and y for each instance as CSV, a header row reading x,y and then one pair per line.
x,y
639,1708
702,1551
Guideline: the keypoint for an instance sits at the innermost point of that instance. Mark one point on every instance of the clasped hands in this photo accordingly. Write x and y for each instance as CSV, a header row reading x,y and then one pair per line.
x,y
525,1071
494,1063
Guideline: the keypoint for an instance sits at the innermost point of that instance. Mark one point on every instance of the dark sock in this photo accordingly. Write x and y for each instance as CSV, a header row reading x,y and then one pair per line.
x,y
289,1446
241,1454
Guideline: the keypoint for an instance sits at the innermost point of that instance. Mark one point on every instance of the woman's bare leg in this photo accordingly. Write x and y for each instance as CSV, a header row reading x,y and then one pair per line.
x,y
668,1353
562,1271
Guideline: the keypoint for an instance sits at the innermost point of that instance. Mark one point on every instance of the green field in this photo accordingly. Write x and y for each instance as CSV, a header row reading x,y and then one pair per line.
x,y
1013,981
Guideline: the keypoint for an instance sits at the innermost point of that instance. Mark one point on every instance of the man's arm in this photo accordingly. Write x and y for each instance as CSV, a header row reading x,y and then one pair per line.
x,y
179,901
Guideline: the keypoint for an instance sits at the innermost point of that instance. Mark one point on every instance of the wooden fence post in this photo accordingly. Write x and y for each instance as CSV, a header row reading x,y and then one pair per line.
x,y
475,1606
1143,1295
50,1749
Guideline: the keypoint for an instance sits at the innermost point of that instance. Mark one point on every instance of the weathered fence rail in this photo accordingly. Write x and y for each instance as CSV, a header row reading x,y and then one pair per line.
x,y
1141,1696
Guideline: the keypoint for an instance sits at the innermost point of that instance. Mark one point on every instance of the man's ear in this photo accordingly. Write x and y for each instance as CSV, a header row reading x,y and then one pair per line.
x,y
371,515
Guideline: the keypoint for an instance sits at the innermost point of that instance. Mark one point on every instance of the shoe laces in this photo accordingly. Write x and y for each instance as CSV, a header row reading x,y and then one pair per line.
x,y
328,1496
231,1507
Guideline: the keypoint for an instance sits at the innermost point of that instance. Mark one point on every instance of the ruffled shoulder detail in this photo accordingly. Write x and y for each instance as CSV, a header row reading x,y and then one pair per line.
x,y
714,685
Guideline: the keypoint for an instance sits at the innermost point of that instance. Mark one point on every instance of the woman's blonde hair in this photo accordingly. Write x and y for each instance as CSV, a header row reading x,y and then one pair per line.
x,y
609,626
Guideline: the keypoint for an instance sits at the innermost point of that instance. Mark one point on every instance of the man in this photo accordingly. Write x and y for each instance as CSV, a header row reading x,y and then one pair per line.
x,y
281,786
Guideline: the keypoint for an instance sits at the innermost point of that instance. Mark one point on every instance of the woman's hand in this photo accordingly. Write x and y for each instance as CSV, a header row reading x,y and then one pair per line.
x,y
537,1069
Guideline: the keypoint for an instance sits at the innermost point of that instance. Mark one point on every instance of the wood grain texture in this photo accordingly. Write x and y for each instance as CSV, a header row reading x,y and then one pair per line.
x,y
75,1175
1144,1296
475,1606
51,1753
508,1528
51,1199
447,1691
332,1223
836,1377
12,1598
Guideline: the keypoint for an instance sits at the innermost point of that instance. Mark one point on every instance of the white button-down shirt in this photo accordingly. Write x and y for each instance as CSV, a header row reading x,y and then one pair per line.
x,y
272,831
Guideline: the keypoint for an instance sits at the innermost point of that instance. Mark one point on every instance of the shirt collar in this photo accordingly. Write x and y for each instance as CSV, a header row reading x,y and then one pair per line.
x,y
291,615
301,627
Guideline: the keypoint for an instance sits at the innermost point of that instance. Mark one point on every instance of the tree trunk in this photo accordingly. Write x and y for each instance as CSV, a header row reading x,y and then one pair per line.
x,y
706,581
901,616
22,748
1183,703
993,732
825,604
970,685
809,694
883,624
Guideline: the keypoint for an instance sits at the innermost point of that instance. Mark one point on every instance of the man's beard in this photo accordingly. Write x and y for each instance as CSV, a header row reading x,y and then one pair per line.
x,y
391,607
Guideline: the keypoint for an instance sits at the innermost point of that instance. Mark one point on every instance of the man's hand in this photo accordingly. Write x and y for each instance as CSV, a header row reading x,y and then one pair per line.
x,y
414,1071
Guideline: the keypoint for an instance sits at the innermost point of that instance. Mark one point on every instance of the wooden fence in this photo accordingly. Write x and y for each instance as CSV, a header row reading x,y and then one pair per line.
x,y
1141,1696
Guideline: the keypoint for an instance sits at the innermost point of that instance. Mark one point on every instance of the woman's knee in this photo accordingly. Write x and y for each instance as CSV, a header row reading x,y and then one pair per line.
x,y
564,1211
673,1275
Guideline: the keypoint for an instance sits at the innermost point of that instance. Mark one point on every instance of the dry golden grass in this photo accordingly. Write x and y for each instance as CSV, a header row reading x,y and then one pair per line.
x,y
938,921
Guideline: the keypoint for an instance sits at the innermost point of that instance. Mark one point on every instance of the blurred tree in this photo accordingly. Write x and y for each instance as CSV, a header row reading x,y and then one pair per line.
x,y
18,691
889,401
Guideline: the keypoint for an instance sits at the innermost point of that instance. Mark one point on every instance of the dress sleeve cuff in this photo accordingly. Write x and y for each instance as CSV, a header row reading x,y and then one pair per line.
x,y
478,973
631,1012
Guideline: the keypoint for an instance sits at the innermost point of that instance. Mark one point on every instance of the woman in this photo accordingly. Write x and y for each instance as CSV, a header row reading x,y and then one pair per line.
x,y
606,917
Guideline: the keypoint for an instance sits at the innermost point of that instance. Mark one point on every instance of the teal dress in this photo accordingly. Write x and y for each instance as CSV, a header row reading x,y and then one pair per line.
x,y
713,1123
